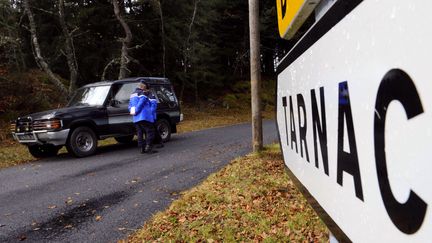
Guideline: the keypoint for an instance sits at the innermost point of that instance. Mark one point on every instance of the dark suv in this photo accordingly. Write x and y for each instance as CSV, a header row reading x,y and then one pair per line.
x,y
96,111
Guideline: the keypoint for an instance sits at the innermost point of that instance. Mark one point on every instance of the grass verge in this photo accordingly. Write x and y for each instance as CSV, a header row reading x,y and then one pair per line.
x,y
198,119
251,199
12,153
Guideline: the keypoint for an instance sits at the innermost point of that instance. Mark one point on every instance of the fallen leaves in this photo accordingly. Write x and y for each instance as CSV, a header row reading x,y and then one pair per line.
x,y
98,218
69,200
52,206
252,199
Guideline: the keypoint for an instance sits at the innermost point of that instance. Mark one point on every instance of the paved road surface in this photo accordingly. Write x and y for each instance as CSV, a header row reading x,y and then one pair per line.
x,y
103,197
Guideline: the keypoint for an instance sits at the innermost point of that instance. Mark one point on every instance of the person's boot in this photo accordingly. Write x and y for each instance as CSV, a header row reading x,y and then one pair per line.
x,y
143,150
149,149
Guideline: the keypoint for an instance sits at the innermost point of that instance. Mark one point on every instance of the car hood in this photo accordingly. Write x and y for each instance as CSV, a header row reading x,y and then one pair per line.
x,y
60,113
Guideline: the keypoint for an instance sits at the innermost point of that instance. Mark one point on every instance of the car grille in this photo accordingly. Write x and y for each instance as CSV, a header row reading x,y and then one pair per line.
x,y
24,125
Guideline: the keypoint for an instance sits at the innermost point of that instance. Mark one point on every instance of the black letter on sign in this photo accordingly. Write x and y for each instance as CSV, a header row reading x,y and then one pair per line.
x,y
397,85
284,104
321,128
302,129
292,125
284,7
347,162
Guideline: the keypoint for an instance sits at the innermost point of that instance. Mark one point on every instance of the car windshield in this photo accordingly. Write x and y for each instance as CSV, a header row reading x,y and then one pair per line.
x,y
90,96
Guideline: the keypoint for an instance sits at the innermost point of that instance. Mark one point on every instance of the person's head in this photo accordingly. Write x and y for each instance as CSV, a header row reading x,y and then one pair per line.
x,y
142,85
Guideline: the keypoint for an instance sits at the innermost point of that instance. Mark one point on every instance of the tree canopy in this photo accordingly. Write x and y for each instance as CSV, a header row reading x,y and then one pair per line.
x,y
202,46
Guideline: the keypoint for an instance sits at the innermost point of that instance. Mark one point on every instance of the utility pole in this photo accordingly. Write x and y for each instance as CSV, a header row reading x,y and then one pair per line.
x,y
254,36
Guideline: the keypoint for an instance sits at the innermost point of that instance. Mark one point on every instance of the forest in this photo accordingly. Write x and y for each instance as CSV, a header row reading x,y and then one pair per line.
x,y
48,48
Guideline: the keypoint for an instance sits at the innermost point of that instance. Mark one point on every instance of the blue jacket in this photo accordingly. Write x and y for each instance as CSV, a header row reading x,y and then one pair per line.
x,y
145,108
153,105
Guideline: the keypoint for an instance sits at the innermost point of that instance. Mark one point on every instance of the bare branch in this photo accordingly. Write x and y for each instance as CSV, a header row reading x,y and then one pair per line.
x,y
37,51
44,10
138,46
74,30
192,22
112,62
186,49
124,71
70,49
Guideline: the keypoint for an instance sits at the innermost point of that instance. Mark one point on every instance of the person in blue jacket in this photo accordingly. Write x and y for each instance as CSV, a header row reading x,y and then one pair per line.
x,y
141,107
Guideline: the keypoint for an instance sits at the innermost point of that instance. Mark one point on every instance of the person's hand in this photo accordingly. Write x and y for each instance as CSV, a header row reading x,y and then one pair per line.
x,y
132,111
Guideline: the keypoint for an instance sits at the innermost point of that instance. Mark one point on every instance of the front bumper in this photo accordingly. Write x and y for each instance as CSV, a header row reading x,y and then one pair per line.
x,y
42,137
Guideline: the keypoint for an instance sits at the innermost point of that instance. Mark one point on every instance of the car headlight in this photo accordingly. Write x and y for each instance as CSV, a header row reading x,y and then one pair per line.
x,y
51,124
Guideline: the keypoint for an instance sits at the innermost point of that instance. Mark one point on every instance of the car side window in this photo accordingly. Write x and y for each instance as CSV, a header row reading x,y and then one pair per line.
x,y
124,92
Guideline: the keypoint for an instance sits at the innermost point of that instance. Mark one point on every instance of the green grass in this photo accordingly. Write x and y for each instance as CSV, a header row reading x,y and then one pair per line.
x,y
196,119
251,199
13,153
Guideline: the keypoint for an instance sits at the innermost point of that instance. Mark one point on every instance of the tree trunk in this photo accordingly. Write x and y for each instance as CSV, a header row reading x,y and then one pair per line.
x,y
186,51
37,51
257,140
124,58
70,50
158,5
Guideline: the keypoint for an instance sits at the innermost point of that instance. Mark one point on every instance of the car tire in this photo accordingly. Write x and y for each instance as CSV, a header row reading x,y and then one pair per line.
x,y
163,127
82,142
43,151
125,139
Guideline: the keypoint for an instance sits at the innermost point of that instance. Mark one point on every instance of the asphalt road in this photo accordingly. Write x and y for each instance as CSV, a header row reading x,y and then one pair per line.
x,y
105,197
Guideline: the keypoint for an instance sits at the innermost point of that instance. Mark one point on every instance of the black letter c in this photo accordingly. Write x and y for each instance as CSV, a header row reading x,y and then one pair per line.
x,y
397,85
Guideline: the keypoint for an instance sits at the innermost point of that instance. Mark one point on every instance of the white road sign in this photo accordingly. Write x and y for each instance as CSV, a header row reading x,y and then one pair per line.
x,y
354,114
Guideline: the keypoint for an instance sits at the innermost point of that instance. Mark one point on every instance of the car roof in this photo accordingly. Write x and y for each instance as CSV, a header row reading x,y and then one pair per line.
x,y
149,80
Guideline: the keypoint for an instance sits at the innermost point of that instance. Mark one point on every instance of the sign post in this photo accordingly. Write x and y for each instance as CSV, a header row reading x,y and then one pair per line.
x,y
354,115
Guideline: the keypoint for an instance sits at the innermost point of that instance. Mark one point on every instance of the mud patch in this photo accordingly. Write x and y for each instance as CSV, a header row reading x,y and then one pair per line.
x,y
75,218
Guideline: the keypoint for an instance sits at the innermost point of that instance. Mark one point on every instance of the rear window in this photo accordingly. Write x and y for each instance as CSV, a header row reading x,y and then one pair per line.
x,y
164,94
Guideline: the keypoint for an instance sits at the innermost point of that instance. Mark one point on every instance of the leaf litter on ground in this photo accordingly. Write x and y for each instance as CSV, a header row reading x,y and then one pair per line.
x,y
251,199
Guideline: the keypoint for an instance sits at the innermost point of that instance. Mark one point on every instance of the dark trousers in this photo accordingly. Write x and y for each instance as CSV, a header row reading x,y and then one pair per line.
x,y
147,128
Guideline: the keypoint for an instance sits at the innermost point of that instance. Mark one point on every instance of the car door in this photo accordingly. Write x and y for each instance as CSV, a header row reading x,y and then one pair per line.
x,y
119,120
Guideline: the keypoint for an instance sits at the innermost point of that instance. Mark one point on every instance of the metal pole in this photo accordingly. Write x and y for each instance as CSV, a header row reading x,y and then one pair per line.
x,y
254,36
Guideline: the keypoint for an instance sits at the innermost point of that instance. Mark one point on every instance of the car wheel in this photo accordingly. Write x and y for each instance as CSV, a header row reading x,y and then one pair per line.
x,y
125,139
163,127
82,142
43,151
